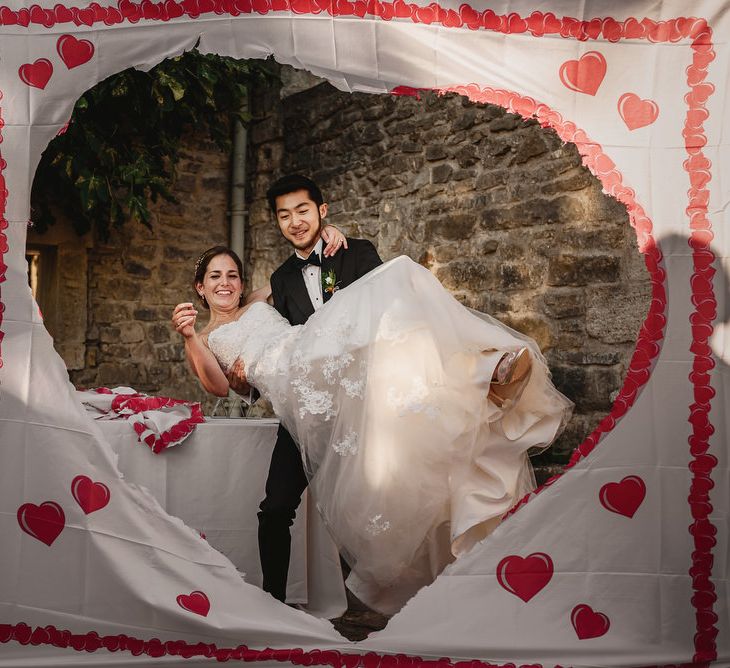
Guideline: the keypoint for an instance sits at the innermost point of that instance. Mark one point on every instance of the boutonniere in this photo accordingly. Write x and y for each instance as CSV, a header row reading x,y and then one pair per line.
x,y
329,282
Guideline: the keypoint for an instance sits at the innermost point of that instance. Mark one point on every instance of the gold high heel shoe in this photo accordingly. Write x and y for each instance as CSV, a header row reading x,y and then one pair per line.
x,y
506,385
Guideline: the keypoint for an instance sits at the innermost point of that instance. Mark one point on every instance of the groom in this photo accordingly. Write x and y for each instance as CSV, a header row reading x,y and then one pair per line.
x,y
300,286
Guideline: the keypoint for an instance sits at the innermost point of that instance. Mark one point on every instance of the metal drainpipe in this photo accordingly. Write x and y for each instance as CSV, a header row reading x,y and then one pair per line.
x,y
237,224
238,190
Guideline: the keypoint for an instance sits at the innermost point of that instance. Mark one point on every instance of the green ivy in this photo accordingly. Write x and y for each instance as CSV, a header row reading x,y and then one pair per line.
x,y
121,146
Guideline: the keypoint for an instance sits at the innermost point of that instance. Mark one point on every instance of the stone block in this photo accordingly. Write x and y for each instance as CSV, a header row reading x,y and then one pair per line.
x,y
505,123
531,146
467,156
147,314
160,332
441,173
111,312
578,179
515,276
73,354
569,269
467,274
463,175
113,352
533,325
564,303
489,180
109,334
464,119
111,374
435,152
407,146
455,226
588,239
131,332
589,387
615,316
137,269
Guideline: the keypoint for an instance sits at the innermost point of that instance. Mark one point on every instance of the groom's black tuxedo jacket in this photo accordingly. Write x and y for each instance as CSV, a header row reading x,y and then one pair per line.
x,y
287,283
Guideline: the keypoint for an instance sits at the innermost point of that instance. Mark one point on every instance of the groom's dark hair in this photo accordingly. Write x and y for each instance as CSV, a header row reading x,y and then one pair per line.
x,y
290,184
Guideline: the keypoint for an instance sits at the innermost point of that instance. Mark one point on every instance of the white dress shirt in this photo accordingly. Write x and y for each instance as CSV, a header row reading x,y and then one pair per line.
x,y
313,277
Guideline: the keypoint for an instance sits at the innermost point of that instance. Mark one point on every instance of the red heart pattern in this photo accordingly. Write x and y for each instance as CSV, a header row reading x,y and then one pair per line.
x,y
90,495
74,52
585,74
36,74
635,112
587,623
196,602
44,522
624,497
525,577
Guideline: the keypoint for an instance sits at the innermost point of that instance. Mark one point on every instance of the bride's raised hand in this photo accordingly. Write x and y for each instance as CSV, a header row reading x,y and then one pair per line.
x,y
183,319
333,239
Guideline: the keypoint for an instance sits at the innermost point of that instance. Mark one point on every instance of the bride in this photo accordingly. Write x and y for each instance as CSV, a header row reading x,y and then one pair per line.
x,y
414,415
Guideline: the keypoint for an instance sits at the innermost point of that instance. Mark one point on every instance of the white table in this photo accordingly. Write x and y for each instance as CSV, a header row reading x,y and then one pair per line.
x,y
214,481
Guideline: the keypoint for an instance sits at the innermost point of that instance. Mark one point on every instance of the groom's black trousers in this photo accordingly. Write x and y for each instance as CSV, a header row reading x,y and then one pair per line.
x,y
284,488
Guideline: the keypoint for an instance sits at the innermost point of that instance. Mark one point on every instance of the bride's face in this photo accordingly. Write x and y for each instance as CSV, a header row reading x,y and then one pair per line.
x,y
222,285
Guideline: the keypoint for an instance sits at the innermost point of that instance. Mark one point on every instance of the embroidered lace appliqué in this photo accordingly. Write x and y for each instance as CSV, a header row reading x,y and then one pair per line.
x,y
377,525
391,329
340,331
347,446
413,401
315,402
335,365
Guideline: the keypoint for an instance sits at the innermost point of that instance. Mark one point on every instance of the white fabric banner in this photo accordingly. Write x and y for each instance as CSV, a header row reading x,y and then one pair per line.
x,y
623,560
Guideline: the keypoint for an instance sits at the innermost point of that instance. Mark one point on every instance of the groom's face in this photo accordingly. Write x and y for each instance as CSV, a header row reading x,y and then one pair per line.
x,y
300,219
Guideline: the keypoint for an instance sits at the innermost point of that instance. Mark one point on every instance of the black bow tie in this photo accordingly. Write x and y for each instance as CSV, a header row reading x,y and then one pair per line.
x,y
312,259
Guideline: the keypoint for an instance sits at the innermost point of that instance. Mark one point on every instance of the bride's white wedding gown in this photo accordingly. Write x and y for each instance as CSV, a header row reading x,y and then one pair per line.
x,y
385,391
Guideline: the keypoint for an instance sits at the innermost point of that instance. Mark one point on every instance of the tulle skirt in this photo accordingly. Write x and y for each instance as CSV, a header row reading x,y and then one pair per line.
x,y
409,461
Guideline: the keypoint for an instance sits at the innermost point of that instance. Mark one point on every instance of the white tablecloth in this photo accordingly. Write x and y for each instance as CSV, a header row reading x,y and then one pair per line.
x,y
214,481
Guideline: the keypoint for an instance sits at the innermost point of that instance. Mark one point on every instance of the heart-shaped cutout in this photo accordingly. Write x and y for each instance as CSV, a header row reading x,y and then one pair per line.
x,y
635,112
587,623
44,522
74,52
36,74
196,602
525,577
585,74
624,497
91,496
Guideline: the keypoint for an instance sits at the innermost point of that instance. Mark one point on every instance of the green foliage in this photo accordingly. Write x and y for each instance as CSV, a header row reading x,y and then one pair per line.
x,y
121,146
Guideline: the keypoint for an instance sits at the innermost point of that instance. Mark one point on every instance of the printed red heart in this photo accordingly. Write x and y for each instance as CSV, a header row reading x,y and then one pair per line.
x,y
635,112
196,602
74,52
90,495
625,497
36,74
585,74
588,624
525,577
44,522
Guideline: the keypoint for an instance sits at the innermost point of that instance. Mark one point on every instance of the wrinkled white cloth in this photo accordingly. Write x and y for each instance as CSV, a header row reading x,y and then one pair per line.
x,y
159,422
385,391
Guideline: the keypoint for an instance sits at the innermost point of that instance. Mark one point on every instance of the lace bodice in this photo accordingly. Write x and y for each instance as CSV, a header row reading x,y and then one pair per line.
x,y
259,332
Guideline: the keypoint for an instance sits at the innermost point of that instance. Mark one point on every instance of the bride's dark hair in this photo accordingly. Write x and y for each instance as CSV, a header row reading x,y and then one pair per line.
x,y
201,266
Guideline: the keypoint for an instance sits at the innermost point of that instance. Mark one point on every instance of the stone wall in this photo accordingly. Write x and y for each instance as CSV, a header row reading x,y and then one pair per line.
x,y
499,209
131,282
496,207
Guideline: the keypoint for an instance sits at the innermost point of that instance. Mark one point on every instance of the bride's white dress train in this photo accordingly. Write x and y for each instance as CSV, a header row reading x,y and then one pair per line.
x,y
385,391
